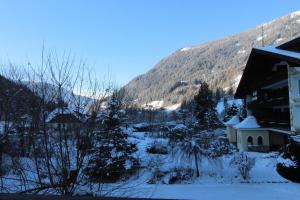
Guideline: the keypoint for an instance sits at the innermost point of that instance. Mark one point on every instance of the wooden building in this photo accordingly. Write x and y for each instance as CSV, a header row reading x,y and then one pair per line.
x,y
270,86
63,119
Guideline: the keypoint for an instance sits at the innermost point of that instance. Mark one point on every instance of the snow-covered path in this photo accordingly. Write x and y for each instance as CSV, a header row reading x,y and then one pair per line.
x,y
243,191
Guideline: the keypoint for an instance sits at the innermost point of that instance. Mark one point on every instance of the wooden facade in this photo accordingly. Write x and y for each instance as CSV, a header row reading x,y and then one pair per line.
x,y
268,92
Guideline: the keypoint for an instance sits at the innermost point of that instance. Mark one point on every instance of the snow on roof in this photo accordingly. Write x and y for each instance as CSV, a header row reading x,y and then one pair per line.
x,y
248,123
58,111
180,126
296,138
275,50
233,121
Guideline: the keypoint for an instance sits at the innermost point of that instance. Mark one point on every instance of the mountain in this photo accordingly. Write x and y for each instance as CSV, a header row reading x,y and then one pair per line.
x,y
220,63
51,93
16,100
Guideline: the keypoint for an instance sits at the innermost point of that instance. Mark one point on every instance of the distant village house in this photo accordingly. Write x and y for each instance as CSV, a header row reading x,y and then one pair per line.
x,y
63,119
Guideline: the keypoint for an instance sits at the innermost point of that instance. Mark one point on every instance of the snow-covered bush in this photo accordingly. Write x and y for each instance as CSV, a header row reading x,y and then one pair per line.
x,y
179,175
192,145
157,147
154,165
288,164
171,176
216,148
243,163
157,176
178,134
230,112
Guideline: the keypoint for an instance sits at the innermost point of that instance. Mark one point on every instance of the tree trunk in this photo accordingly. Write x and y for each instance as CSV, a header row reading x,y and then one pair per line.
x,y
196,162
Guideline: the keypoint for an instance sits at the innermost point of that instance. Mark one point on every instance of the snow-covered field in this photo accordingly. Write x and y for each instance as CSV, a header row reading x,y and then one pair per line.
x,y
215,191
218,179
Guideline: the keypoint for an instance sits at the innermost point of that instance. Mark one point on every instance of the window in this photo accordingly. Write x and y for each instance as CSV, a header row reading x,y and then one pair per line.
x,y
260,140
250,140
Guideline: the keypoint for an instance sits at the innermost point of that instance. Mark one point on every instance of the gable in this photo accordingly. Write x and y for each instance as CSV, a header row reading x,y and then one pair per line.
x,y
292,45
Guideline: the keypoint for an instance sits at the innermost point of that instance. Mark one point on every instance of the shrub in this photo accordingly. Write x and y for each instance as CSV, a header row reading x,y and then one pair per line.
x,y
289,162
178,133
157,148
291,173
157,176
243,163
173,176
178,175
218,148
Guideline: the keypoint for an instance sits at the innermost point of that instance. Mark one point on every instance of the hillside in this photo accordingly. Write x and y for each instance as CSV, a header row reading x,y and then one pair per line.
x,y
220,63
16,100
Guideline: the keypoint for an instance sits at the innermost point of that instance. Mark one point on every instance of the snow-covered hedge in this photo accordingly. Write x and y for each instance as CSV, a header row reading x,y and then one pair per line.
x,y
289,163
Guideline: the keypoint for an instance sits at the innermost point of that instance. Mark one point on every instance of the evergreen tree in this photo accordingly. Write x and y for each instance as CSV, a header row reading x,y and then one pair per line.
x,y
230,92
205,112
112,156
226,107
218,94
232,111
243,110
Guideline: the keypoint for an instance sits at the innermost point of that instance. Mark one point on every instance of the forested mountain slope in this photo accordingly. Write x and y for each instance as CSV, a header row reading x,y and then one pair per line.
x,y
220,63
16,100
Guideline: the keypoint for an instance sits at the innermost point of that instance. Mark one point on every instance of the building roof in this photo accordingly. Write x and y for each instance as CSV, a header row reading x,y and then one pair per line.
x,y
58,111
296,138
248,123
280,53
292,45
233,121
65,118
262,60
64,115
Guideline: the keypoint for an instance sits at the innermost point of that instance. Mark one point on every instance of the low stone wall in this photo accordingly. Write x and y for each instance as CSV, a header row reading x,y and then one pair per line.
x,y
260,148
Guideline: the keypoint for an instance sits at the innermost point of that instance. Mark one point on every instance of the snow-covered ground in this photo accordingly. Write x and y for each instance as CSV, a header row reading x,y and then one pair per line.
x,y
212,170
218,179
172,107
153,104
215,191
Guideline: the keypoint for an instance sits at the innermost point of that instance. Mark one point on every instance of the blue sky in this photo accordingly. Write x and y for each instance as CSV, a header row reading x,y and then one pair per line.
x,y
124,37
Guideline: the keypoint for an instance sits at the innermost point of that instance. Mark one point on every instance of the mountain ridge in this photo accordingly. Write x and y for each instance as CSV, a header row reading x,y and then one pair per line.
x,y
219,62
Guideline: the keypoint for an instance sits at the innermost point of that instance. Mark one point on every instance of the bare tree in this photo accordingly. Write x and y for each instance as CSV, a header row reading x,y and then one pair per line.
x,y
57,150
58,153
